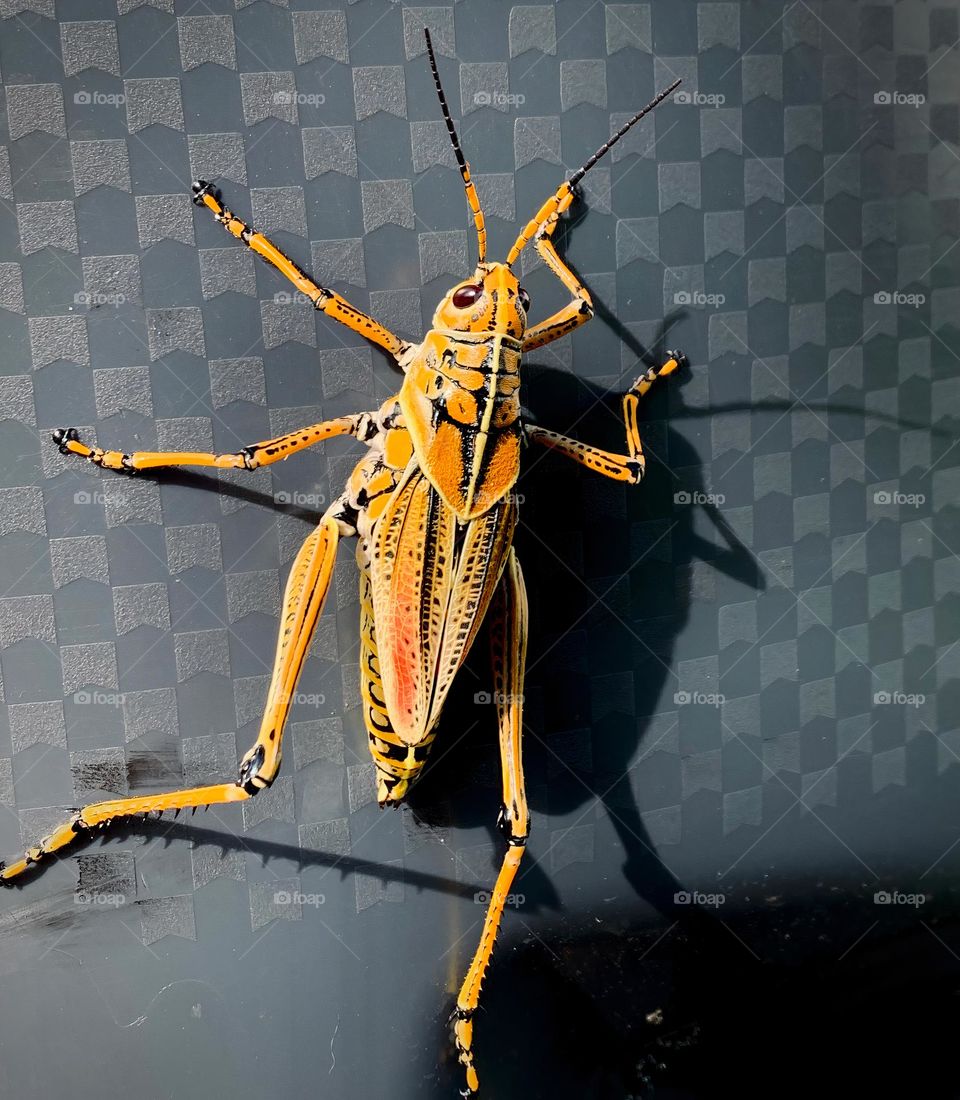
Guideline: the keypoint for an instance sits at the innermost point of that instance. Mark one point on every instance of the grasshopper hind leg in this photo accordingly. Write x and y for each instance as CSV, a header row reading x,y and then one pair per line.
x,y
508,645
306,591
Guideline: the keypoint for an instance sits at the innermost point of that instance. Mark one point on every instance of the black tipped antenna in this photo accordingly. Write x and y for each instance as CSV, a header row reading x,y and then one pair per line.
x,y
610,142
473,200
563,196
451,129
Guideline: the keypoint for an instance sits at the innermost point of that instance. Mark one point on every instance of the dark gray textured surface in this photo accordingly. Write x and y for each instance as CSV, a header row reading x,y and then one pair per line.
x,y
743,674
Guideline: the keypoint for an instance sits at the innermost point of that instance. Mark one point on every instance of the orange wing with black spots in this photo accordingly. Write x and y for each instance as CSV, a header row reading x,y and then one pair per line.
x,y
461,405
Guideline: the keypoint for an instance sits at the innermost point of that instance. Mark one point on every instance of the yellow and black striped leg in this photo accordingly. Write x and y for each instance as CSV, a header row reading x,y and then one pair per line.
x,y
303,601
574,313
327,301
361,425
540,229
619,467
508,640
675,360
543,223
98,815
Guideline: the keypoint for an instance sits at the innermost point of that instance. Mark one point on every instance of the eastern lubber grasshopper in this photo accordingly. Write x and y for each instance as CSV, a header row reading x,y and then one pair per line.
x,y
432,508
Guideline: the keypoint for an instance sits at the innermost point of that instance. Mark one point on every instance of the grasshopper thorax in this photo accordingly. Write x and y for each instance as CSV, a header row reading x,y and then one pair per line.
x,y
460,397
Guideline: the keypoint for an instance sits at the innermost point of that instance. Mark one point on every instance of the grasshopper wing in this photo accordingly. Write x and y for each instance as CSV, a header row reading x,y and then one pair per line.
x,y
432,580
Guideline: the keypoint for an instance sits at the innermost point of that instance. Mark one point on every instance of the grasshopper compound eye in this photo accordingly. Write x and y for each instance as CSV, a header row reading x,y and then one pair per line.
x,y
465,296
524,298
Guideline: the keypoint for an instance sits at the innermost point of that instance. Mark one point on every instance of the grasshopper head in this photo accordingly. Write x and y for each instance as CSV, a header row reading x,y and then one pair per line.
x,y
491,301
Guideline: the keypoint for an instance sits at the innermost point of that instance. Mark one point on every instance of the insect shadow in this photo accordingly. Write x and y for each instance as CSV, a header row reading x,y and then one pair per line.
x,y
612,572
609,570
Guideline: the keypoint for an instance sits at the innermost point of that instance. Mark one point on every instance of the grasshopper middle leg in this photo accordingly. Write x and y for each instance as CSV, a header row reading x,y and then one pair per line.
x,y
361,425
619,467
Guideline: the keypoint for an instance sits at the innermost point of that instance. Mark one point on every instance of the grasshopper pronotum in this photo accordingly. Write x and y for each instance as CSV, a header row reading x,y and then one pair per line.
x,y
431,507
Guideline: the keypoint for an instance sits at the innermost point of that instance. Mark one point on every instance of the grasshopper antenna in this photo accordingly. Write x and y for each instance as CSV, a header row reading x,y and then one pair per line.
x,y
561,200
613,139
473,199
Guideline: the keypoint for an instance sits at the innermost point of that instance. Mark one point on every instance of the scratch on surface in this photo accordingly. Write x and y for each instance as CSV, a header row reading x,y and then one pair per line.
x,y
143,1018
333,1057
76,958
